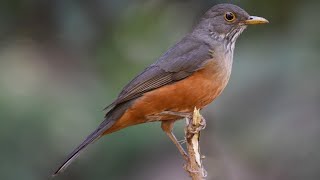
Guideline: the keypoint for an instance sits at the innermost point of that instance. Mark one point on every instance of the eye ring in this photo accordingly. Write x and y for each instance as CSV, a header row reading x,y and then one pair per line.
x,y
229,16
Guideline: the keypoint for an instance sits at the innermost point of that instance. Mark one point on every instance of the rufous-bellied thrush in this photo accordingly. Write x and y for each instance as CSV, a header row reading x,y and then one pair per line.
x,y
190,74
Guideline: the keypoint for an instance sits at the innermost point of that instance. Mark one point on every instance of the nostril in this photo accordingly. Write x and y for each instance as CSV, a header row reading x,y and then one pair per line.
x,y
250,18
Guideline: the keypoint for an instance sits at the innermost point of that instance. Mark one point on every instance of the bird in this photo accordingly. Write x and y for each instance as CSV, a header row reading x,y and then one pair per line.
x,y
192,73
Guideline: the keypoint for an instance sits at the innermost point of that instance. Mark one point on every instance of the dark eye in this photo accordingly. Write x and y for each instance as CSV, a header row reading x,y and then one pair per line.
x,y
229,16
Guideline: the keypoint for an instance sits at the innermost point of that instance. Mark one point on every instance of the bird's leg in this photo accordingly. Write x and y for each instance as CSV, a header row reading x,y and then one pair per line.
x,y
167,126
180,114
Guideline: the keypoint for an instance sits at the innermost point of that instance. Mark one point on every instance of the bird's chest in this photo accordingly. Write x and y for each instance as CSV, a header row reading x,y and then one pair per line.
x,y
198,90
211,81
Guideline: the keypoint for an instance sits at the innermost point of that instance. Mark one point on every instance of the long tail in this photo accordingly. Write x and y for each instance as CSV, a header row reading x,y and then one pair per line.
x,y
90,139
111,117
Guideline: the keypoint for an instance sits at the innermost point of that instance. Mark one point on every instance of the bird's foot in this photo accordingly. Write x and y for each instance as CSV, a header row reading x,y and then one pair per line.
x,y
182,141
203,123
195,129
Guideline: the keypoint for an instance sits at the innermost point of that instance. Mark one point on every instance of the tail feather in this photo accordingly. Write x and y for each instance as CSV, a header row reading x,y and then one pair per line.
x,y
76,152
111,117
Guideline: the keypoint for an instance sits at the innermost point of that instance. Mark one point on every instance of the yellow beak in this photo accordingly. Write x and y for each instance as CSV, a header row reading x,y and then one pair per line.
x,y
256,20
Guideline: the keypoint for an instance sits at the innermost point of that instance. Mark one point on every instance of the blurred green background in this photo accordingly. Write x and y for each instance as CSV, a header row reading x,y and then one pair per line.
x,y
62,62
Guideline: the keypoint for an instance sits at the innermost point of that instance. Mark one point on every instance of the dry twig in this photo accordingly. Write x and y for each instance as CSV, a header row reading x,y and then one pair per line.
x,y
192,133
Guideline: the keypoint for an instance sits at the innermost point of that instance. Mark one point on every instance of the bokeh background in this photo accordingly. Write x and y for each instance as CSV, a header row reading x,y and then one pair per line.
x,y
62,62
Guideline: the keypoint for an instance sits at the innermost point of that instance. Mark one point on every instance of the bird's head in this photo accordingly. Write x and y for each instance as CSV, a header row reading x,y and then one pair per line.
x,y
226,22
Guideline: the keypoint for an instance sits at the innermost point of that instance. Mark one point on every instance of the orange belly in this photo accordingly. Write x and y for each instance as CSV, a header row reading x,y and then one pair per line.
x,y
197,90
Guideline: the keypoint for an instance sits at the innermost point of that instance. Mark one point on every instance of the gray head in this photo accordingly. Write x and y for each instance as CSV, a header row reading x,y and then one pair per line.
x,y
225,22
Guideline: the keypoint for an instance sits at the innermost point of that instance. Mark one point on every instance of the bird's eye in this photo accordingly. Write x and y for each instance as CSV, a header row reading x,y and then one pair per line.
x,y
229,16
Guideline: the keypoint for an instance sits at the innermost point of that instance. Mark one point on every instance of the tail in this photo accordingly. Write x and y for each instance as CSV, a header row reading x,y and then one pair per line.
x,y
111,117
90,139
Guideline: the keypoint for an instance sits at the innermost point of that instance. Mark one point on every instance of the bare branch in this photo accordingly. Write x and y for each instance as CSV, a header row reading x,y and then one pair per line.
x,y
192,133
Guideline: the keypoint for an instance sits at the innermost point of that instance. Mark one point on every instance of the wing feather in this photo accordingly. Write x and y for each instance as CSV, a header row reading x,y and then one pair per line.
x,y
179,62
